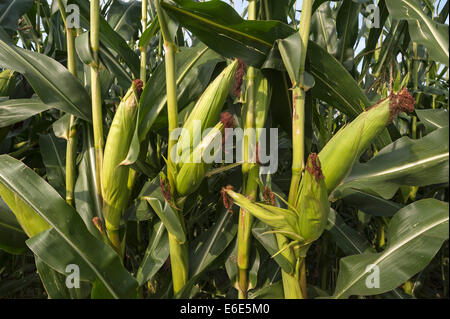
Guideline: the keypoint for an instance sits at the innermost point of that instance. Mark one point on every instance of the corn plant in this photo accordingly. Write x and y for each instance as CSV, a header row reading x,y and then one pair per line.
x,y
135,148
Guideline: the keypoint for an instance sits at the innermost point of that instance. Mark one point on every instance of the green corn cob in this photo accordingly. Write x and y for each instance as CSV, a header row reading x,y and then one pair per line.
x,y
312,204
207,108
191,173
345,148
115,190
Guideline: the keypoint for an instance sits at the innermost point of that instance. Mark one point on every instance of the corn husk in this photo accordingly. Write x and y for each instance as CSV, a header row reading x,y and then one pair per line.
x,y
312,204
207,108
344,149
191,173
282,220
115,189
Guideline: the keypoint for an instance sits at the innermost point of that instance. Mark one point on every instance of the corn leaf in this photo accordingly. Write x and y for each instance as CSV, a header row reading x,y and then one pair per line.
x,y
207,249
109,37
14,111
68,241
51,81
351,242
86,198
422,29
156,254
12,237
11,11
220,27
165,212
269,242
415,235
53,151
433,119
53,282
405,162
124,17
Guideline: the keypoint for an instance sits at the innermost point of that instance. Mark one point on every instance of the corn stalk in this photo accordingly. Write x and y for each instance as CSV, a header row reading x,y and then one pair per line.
x,y
143,71
250,172
298,142
178,251
71,147
96,92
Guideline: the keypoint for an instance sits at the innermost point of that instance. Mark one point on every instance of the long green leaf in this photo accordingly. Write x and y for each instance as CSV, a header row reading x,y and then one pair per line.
x,y
415,235
405,162
53,151
220,27
68,237
207,248
422,29
53,282
348,239
86,197
109,37
433,119
51,81
15,111
155,255
165,212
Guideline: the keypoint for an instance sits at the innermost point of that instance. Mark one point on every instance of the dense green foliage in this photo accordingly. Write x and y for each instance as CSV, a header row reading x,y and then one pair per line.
x,y
173,231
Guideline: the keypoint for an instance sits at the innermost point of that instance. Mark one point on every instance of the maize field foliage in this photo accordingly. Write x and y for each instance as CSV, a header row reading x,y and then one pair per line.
x,y
87,114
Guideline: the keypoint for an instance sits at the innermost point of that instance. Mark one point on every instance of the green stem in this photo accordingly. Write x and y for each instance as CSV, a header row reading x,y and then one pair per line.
x,y
298,142
172,104
71,154
178,251
143,71
96,92
244,231
250,171
71,148
291,286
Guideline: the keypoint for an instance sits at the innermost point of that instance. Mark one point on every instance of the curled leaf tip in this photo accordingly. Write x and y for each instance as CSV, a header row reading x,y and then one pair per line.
x,y
401,102
238,78
227,200
138,84
313,166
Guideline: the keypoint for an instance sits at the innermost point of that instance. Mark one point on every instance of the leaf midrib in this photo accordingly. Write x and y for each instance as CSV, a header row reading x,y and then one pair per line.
x,y
430,27
8,48
132,4
404,167
335,91
392,250
210,244
219,26
99,275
